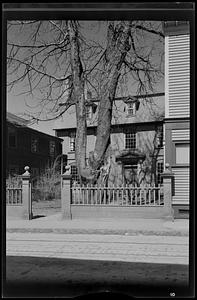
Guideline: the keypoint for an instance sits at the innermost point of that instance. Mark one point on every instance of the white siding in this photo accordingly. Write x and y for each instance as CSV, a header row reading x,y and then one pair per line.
x,y
181,185
180,134
178,76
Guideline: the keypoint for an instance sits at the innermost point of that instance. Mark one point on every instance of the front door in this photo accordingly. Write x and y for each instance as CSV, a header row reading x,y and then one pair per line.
x,y
130,175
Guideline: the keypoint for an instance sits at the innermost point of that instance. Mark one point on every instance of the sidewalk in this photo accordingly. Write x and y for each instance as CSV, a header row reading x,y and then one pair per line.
x,y
55,224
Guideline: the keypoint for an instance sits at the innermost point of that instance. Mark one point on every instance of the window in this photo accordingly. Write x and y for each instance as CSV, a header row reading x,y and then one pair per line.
x,y
11,138
131,109
159,172
74,174
88,112
52,148
130,140
34,172
13,170
159,138
72,142
130,174
34,144
182,153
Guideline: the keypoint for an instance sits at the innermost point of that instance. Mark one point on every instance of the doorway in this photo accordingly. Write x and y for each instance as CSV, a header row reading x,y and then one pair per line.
x,y
130,175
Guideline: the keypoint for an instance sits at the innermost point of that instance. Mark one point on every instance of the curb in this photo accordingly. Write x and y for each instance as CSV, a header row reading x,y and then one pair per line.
x,y
98,231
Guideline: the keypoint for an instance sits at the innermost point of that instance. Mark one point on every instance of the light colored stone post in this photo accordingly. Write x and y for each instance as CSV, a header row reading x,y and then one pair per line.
x,y
167,185
66,194
26,194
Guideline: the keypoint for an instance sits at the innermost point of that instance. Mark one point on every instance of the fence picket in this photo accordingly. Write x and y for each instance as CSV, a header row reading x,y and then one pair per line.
x,y
113,195
13,195
82,194
149,196
102,195
109,195
140,197
135,195
122,196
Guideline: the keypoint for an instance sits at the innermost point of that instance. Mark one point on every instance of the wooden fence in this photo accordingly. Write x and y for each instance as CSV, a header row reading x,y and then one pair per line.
x,y
117,196
18,198
13,195
116,201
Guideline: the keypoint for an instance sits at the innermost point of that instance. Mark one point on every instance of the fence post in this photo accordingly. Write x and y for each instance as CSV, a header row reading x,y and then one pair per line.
x,y
26,194
66,194
167,185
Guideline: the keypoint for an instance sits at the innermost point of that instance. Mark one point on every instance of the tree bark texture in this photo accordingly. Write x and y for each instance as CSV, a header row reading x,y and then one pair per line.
x,y
78,83
117,48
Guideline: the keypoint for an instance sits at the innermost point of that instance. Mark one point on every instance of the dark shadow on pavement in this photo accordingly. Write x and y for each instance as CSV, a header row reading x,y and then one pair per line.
x,y
53,277
38,216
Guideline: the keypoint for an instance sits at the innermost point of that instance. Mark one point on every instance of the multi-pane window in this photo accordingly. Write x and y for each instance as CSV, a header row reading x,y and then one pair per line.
x,y
34,144
159,172
74,174
12,138
160,137
34,172
72,142
52,148
13,170
88,112
131,109
130,139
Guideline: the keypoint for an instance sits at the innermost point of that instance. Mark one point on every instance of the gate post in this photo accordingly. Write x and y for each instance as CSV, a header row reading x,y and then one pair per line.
x,y
66,194
167,185
26,194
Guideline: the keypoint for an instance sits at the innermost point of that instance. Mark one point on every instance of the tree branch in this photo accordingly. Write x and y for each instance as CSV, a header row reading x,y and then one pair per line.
x,y
149,30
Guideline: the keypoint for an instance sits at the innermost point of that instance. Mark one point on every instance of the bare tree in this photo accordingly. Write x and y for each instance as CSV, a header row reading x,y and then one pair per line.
x,y
59,62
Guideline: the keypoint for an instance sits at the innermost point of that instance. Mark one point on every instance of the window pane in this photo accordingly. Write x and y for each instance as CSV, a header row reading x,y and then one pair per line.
x,y
160,137
52,148
72,144
131,109
74,174
182,154
72,141
159,172
130,140
88,112
34,145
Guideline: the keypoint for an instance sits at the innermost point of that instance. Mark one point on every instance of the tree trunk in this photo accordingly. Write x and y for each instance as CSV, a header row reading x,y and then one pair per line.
x,y
117,48
78,83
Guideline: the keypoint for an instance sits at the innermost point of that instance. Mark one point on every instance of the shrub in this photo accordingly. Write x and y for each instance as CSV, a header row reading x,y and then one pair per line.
x,y
14,180
47,185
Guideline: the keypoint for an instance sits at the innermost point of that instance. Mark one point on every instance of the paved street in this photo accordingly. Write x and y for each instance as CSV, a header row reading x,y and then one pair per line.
x,y
139,248
77,264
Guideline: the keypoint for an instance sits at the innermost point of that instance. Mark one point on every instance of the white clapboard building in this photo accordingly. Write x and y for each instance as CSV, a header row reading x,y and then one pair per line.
x,y
177,111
